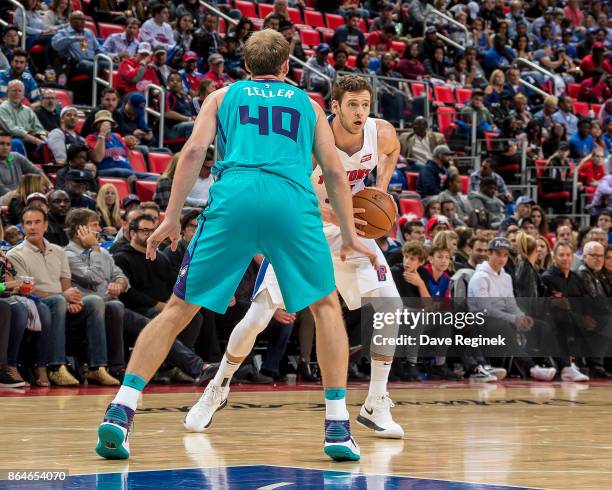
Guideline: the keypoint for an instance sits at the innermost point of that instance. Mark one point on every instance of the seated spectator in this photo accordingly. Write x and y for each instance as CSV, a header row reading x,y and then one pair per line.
x,y
190,75
19,120
191,7
459,73
593,61
134,73
131,204
156,31
499,55
428,44
521,113
522,210
436,67
48,113
18,71
189,223
391,93
432,208
131,121
180,114
585,94
385,18
490,289
198,197
205,88
48,265
556,135
410,66
119,43
592,168
494,90
61,139
487,170
10,42
349,36
410,276
109,11
77,157
418,146
311,81
545,115
453,187
485,199
77,182
110,210
183,32
478,253
109,151
109,101
410,231
527,282
581,143
429,182
233,57
12,166
28,184
604,221
602,200
381,41
164,183
340,61
477,72
565,116
79,45
484,121
59,205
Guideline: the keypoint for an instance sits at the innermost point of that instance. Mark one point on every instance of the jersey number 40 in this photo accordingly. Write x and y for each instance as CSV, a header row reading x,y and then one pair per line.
x,y
262,121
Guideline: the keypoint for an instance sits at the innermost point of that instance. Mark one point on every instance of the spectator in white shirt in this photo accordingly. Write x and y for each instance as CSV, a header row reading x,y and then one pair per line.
x,y
156,30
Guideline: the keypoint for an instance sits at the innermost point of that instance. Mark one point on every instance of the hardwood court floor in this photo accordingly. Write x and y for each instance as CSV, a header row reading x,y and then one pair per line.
x,y
552,435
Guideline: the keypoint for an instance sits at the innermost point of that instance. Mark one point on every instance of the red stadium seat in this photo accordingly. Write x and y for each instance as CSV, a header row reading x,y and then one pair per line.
x,y
247,9
411,179
145,190
64,97
108,29
122,186
548,196
137,162
327,35
443,95
294,15
351,61
489,137
314,18
596,108
38,49
465,184
92,27
297,75
580,108
158,162
222,26
573,89
362,25
446,116
265,9
76,5
310,37
316,96
399,47
417,89
413,206
334,21
463,95
79,125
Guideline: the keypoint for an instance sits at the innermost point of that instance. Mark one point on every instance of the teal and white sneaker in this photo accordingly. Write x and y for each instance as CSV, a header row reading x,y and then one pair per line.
x,y
113,432
201,414
339,444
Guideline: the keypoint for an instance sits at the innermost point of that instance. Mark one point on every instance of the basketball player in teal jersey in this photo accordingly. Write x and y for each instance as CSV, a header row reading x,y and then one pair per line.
x,y
262,203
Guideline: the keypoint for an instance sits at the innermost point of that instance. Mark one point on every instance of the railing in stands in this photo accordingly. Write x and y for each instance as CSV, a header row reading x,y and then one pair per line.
x,y
162,108
22,32
448,40
535,67
304,65
534,88
378,81
450,20
97,79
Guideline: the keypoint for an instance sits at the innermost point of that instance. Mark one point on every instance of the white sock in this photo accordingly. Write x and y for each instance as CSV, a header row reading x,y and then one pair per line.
x,y
379,376
225,372
335,404
127,396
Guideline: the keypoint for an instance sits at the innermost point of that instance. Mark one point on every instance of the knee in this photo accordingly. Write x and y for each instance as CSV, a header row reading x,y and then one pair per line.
x,y
94,303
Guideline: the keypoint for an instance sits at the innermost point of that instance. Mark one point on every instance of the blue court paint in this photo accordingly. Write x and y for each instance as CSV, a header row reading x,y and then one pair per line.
x,y
246,478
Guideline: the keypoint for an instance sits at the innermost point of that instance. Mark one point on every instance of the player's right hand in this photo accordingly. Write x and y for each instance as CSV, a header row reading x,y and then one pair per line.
x,y
356,247
169,228
329,216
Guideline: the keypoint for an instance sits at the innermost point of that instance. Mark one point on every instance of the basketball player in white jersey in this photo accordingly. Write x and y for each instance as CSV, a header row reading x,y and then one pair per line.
x,y
362,143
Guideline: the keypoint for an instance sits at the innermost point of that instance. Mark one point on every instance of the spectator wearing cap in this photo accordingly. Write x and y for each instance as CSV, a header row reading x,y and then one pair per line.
x,y
48,113
60,139
490,290
10,42
180,113
77,157
130,202
384,19
429,182
216,74
12,166
109,151
135,73
523,210
124,42
313,82
158,63
39,200
418,145
18,71
428,45
594,60
487,208
131,123
565,116
77,182
350,36
156,30
79,45
189,73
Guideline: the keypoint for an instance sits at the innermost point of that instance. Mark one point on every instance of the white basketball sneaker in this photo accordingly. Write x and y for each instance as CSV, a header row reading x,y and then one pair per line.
x,y
542,373
572,373
375,414
212,400
499,372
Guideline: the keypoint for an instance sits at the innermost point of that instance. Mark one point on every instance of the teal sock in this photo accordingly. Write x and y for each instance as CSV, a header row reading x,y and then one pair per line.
x,y
130,390
335,404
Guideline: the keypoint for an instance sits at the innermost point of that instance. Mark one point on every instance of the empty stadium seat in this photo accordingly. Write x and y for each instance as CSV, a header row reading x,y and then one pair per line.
x,y
247,9
548,196
79,125
122,186
158,162
310,37
351,61
417,89
334,21
399,47
413,206
265,9
108,29
137,162
463,95
314,18
294,15
580,108
145,190
411,180
573,89
445,116
316,96
297,75
443,95
92,27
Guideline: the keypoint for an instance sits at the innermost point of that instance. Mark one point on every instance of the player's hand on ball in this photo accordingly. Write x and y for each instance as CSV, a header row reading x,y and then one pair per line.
x,y
358,221
169,228
358,248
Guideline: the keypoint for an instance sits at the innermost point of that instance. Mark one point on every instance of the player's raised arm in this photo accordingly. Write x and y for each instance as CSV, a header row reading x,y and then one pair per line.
x,y
388,152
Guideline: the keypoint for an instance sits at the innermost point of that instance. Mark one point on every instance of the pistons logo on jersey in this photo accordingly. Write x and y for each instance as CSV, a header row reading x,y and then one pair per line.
x,y
382,272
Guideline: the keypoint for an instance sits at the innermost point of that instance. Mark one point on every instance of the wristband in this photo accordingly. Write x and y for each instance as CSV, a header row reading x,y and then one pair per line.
x,y
2,287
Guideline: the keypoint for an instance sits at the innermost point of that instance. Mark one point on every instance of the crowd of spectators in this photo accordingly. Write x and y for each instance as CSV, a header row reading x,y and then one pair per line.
x,y
76,288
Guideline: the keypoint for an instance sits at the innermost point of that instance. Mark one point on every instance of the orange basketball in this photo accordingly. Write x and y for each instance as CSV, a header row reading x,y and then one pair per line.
x,y
380,211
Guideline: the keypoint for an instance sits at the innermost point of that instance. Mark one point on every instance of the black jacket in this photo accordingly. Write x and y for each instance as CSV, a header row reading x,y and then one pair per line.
x,y
150,281
55,233
527,282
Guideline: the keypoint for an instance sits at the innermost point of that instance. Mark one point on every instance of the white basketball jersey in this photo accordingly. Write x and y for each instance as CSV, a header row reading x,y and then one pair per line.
x,y
358,166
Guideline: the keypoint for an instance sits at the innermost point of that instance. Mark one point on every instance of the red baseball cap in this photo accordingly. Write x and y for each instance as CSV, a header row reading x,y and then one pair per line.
x,y
190,56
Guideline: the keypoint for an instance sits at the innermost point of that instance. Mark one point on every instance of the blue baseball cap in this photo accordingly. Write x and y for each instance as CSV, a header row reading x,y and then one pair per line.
x,y
138,102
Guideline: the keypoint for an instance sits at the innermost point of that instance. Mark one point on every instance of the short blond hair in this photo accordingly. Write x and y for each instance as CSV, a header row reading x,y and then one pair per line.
x,y
265,52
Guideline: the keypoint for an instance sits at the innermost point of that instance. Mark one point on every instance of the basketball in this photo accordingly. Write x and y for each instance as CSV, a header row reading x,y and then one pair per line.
x,y
380,211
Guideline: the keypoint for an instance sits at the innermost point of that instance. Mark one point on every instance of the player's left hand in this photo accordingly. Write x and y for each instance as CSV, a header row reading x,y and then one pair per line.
x,y
169,228
356,247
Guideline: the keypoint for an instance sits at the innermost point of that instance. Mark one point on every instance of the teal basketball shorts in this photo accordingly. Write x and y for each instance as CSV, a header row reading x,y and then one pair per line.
x,y
254,212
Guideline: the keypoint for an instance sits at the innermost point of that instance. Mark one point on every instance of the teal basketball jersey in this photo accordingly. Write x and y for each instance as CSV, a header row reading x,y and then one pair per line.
x,y
267,125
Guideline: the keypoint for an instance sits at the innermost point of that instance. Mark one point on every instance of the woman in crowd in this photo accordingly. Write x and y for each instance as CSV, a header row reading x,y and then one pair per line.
x,y
432,208
109,209
481,39
539,220
409,66
206,87
190,7
544,259
29,184
183,33
495,88
527,282
58,13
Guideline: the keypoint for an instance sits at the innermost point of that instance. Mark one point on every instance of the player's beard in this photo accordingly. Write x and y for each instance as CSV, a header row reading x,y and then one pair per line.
x,y
348,125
